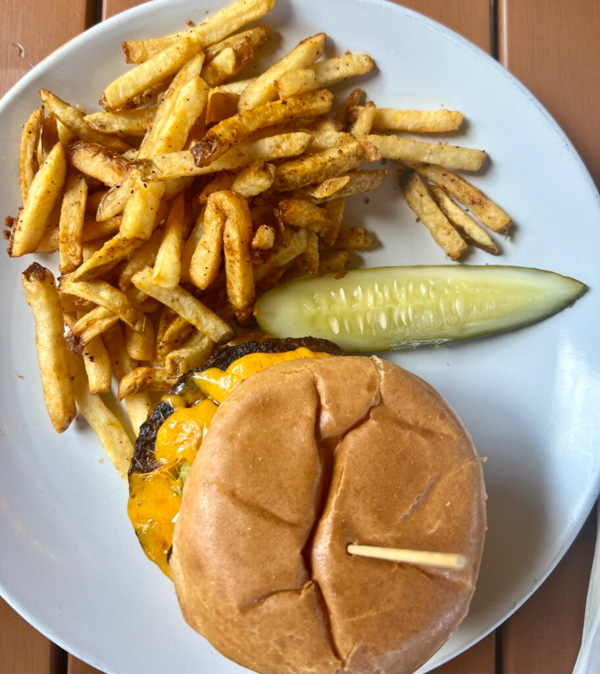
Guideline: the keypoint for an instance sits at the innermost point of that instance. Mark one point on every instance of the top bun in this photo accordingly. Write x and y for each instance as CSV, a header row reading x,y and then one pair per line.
x,y
302,460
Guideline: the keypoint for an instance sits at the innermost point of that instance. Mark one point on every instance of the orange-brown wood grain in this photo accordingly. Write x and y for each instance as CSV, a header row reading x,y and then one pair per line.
x,y
112,7
552,46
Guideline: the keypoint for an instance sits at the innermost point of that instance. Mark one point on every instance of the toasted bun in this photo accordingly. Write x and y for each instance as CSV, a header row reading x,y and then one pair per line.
x,y
300,461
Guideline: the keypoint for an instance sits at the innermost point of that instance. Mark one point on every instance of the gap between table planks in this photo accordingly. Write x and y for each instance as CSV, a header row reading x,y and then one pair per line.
x,y
551,46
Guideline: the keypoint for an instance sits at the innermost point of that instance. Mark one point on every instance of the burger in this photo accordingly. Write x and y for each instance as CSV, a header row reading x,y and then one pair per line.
x,y
252,478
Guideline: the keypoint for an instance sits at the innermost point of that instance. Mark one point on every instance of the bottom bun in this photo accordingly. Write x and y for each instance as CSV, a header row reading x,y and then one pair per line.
x,y
302,460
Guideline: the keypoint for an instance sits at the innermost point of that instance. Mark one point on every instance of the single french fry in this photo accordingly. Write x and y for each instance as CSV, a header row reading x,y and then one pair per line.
x,y
194,353
264,238
113,202
151,96
108,428
139,216
145,379
408,150
43,195
186,306
43,298
90,325
97,366
264,88
71,224
258,36
296,82
335,212
228,63
207,257
48,137
179,164
107,257
140,345
28,163
331,261
254,179
167,266
296,212
489,213
190,245
105,295
308,262
99,162
363,120
174,335
221,105
212,30
353,99
428,212
147,74
138,405
461,221
232,131
65,135
325,190
280,255
123,123
73,119
237,88
353,238
318,167
417,121
334,70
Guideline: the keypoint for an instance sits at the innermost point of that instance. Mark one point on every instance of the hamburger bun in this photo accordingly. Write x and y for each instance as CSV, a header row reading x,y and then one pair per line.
x,y
302,460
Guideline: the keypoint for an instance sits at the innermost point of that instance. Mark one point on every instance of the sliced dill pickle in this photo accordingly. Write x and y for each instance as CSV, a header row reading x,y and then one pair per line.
x,y
405,307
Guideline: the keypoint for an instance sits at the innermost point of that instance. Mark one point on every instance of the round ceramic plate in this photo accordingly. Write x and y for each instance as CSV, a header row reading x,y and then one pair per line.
x,y
69,561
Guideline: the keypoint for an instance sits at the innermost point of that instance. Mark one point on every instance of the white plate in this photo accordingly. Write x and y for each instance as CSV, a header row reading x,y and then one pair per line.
x,y
69,561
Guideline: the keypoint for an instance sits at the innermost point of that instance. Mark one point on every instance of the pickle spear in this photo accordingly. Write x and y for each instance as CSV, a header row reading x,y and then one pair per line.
x,y
387,308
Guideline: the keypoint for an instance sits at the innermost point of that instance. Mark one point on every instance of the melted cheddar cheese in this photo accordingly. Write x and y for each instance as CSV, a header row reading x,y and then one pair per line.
x,y
155,497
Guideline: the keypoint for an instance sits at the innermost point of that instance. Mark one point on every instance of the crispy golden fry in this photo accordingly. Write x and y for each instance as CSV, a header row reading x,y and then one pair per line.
x,y
139,217
71,304
353,238
108,428
147,74
416,121
105,295
489,213
237,88
175,334
194,353
362,120
337,260
334,70
114,201
99,162
42,296
228,63
92,324
254,179
296,212
28,163
461,221
152,95
97,366
140,345
206,259
167,266
138,405
353,99
231,132
408,150
123,123
71,224
187,306
107,257
92,231
179,164
220,105
258,36
357,182
264,88
43,195
215,28
420,200
325,190
190,245
280,256
335,211
237,236
264,238
308,262
145,379
318,167
73,119
48,137
295,82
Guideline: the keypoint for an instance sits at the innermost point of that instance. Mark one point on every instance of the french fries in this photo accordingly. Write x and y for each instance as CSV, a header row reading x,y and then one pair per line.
x,y
263,170
42,296
422,203
43,195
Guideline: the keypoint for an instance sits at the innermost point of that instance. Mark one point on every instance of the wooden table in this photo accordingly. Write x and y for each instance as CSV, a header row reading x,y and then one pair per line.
x,y
552,46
